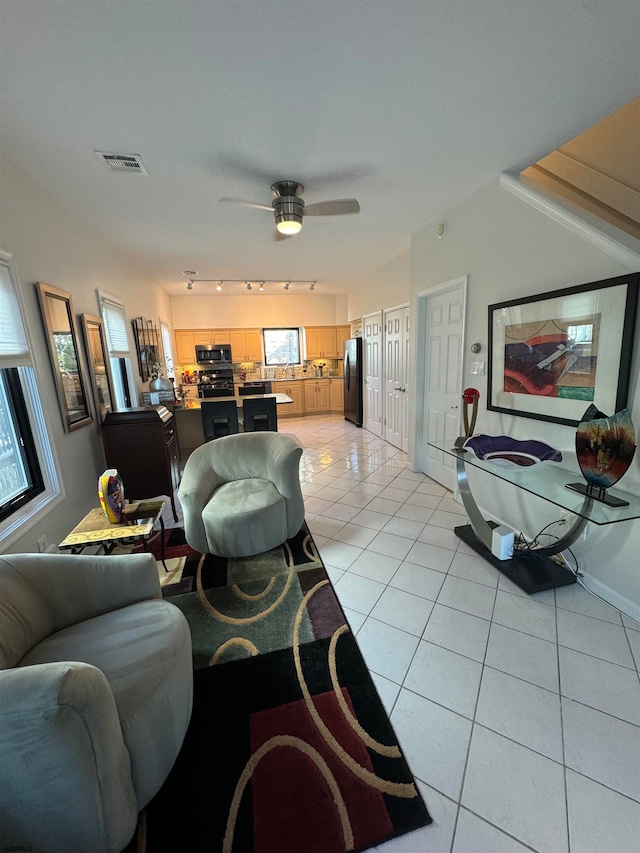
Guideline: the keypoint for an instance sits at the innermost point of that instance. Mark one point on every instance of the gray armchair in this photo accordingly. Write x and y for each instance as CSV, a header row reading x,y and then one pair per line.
x,y
96,688
241,494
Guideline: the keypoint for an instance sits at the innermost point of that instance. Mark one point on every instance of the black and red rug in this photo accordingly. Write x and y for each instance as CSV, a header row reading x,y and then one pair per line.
x,y
289,747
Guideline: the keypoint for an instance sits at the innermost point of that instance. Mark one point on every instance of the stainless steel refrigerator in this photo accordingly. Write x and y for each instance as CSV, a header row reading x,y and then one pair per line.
x,y
353,381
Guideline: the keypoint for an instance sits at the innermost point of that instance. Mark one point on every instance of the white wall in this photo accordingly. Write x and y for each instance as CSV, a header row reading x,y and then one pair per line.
x,y
385,287
508,249
50,245
217,311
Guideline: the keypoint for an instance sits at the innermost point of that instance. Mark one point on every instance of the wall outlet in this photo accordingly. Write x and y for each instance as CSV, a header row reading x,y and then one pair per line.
x,y
42,544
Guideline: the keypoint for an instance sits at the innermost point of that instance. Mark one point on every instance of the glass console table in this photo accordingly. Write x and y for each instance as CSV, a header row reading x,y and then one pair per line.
x,y
533,570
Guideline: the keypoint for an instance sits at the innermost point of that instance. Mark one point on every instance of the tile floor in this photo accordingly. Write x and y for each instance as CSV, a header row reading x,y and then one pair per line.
x,y
519,715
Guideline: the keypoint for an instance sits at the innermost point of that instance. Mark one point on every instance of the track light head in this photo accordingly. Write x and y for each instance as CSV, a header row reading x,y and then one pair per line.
x,y
261,285
189,285
219,286
287,285
312,286
248,285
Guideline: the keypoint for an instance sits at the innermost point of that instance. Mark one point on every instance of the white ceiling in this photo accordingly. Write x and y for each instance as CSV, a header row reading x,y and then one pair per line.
x,y
407,106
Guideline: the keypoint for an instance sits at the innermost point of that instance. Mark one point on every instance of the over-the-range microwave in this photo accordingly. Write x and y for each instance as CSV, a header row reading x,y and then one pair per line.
x,y
214,355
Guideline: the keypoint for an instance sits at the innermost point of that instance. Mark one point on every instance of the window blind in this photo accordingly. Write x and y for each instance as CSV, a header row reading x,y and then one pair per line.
x,y
14,349
115,326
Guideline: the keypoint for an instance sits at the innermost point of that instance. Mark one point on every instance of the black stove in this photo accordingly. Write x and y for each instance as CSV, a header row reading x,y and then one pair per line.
x,y
215,383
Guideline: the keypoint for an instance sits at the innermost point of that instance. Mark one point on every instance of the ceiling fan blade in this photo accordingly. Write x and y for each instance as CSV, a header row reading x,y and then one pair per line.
x,y
249,203
337,207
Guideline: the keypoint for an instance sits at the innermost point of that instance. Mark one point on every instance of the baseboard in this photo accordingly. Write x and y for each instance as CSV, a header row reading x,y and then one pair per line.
x,y
620,602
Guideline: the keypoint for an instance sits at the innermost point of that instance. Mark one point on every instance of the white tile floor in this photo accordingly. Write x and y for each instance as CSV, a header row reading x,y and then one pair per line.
x,y
519,715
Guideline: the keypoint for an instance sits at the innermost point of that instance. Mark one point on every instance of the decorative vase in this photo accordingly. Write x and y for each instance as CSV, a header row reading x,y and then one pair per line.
x,y
605,447
111,494
160,383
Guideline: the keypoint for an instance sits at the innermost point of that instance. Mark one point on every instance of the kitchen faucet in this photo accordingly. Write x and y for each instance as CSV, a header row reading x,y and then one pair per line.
x,y
288,365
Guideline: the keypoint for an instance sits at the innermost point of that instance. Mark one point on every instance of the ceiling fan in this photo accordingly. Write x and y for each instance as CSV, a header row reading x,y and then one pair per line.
x,y
289,208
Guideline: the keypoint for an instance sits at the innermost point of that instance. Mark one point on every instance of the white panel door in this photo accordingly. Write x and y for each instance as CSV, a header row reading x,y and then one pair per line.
x,y
396,377
442,370
372,347
406,380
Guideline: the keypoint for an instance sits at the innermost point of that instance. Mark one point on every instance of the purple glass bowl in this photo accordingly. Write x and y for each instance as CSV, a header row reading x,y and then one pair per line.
x,y
510,452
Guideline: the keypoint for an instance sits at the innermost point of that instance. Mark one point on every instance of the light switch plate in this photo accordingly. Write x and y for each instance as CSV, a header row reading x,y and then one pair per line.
x,y
478,367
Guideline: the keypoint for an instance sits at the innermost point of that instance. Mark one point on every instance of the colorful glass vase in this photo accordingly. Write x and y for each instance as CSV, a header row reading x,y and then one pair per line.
x,y
605,447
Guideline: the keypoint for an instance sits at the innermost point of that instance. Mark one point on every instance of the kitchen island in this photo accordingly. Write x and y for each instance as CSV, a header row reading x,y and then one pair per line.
x,y
188,419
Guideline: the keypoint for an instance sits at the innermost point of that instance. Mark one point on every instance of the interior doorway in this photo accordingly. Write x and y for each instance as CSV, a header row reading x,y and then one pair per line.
x,y
396,376
440,313
372,324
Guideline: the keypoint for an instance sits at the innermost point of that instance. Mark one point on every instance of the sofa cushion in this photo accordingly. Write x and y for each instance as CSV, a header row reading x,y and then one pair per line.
x,y
144,650
245,517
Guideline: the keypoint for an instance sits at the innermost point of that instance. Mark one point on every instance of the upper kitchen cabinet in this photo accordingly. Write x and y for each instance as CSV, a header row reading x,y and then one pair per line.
x,y
210,337
343,333
246,344
322,342
185,347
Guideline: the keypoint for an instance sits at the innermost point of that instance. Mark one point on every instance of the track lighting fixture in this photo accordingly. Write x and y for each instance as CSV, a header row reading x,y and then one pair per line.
x,y
219,282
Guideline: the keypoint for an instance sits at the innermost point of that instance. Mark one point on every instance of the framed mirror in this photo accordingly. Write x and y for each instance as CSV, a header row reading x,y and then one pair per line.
x,y
62,340
98,360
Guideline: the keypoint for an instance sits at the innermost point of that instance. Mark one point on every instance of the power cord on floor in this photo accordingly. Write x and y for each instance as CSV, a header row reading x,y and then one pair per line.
x,y
528,549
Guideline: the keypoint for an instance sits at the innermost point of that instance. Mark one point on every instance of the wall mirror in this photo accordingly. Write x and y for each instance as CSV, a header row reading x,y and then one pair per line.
x,y
62,340
98,361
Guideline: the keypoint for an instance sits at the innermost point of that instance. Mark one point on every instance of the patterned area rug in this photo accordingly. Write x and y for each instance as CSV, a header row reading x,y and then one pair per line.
x,y
289,747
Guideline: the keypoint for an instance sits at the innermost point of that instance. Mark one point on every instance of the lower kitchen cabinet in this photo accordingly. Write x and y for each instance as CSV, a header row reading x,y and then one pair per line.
x,y
293,390
336,387
317,396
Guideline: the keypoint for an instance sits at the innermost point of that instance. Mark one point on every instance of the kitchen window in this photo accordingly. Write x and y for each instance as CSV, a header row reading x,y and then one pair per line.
x,y
281,346
28,475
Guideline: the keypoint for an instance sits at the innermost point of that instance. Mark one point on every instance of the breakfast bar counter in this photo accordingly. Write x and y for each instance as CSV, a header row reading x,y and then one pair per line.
x,y
188,418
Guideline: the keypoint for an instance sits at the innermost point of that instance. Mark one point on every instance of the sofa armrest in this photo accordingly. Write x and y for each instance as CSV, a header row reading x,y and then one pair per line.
x,y
65,772
284,469
75,587
199,482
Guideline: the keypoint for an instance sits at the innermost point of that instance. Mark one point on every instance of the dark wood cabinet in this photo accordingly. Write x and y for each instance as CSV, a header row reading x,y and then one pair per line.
x,y
142,444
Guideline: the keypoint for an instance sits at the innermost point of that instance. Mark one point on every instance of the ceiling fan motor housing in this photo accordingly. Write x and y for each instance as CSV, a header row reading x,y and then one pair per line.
x,y
287,205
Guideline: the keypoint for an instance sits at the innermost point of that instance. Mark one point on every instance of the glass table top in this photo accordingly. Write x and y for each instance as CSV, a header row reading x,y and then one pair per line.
x,y
548,480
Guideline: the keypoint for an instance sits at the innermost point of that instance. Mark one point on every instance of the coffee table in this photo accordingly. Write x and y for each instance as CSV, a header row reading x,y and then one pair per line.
x,y
137,526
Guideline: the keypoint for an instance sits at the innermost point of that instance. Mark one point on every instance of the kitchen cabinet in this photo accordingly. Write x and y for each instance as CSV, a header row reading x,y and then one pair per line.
x,y
317,395
296,392
141,443
185,347
321,342
343,333
336,388
210,337
246,344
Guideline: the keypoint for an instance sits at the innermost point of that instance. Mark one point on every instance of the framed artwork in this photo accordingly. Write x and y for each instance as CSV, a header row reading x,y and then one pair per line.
x,y
98,360
60,330
553,354
147,338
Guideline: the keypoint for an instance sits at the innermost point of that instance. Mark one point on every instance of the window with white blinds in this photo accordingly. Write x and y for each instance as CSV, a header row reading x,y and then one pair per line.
x,y
115,326
14,349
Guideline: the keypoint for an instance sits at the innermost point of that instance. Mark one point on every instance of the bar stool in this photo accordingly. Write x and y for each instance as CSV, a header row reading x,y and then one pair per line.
x,y
219,417
260,414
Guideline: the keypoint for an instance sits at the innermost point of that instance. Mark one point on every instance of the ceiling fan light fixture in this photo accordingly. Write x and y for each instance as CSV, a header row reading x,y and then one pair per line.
x,y
290,225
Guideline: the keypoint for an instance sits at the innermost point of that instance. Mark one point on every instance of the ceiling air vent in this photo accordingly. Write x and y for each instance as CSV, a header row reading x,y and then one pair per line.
x,y
131,163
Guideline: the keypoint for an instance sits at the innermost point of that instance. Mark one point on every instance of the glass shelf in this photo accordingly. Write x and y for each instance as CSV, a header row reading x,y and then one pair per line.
x,y
548,480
